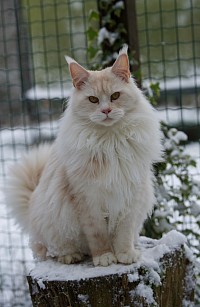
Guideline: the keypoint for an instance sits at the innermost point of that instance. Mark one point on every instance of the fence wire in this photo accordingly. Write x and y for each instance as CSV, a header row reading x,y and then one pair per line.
x,y
170,54
34,85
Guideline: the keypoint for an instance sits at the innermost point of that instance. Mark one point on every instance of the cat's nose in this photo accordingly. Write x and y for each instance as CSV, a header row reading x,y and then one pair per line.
x,y
106,111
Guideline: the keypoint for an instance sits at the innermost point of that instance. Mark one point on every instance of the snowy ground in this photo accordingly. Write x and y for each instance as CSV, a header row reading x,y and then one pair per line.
x,y
15,256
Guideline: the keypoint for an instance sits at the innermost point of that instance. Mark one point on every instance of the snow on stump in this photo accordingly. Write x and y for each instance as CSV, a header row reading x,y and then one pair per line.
x,y
163,277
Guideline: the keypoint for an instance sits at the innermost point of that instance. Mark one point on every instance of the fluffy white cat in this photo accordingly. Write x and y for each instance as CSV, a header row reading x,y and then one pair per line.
x,y
91,190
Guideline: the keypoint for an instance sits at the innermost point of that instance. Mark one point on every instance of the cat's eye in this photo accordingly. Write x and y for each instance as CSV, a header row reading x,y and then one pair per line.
x,y
93,99
115,96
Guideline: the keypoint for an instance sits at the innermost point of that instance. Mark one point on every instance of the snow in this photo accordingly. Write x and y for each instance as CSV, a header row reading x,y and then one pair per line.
x,y
151,253
83,298
41,284
190,82
177,136
119,5
174,116
173,239
176,83
195,209
39,92
133,277
105,34
145,291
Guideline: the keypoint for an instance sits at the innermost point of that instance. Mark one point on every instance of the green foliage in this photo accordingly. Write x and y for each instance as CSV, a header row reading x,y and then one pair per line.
x,y
177,193
154,93
107,37
92,35
112,34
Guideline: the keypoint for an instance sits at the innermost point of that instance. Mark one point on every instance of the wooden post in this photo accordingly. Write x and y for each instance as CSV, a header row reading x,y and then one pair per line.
x,y
165,281
133,39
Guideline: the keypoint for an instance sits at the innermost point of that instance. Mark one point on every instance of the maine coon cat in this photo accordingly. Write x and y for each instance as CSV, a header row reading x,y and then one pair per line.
x,y
91,190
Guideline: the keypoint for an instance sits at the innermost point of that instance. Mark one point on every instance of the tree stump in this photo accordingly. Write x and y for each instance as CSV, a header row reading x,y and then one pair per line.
x,y
163,277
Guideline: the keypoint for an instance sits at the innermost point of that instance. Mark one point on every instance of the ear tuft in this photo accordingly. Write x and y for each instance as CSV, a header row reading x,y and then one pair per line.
x,y
78,73
124,49
69,59
121,66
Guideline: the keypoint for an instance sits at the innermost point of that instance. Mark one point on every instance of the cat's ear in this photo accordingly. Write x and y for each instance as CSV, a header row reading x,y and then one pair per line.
x,y
78,73
121,66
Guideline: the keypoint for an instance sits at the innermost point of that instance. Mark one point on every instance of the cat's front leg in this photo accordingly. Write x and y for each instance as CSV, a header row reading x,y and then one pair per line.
x,y
95,230
123,241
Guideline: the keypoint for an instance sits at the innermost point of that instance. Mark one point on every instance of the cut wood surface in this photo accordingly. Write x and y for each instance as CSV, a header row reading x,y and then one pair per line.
x,y
163,277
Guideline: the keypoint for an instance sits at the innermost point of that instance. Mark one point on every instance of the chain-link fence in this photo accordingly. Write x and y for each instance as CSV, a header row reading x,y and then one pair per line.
x,y
34,86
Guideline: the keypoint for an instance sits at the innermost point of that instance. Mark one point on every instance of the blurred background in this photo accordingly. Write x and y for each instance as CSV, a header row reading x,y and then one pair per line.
x,y
164,45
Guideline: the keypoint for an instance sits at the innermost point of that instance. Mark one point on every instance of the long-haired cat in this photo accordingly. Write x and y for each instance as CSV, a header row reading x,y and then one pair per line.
x,y
91,190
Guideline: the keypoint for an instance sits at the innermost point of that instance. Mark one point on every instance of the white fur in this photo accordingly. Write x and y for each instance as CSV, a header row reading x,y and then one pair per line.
x,y
23,179
96,185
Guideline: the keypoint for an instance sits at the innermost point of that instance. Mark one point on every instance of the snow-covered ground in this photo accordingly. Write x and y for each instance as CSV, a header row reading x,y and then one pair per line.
x,y
15,255
190,82
174,116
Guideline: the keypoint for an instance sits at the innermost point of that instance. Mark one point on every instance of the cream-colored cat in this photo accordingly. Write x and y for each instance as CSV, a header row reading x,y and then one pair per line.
x,y
90,192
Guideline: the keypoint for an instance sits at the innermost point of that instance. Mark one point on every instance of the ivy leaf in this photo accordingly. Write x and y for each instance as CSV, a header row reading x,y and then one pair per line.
x,y
93,15
92,52
92,33
117,12
155,88
193,163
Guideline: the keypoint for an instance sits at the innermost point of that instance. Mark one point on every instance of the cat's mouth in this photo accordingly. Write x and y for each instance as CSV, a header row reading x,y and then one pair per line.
x,y
107,119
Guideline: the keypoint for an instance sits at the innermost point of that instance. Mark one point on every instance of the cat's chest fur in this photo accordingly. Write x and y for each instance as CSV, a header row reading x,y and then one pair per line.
x,y
110,160
107,170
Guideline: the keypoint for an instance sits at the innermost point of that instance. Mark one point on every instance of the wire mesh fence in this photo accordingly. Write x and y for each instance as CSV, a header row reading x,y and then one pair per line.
x,y
169,49
34,85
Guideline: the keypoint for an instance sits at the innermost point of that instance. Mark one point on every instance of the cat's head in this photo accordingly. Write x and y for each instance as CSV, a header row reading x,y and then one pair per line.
x,y
102,97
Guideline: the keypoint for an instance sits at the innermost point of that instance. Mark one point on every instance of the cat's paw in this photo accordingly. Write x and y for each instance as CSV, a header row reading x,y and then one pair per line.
x,y
128,257
105,259
70,258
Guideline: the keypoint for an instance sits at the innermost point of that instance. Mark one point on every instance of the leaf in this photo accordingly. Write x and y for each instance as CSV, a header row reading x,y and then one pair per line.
x,y
117,12
92,33
93,15
155,88
92,52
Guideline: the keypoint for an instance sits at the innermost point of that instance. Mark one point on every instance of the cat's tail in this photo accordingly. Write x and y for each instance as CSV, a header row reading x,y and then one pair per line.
x,y
23,178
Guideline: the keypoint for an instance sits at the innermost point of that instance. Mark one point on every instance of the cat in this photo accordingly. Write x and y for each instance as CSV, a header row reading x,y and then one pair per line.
x,y
90,191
